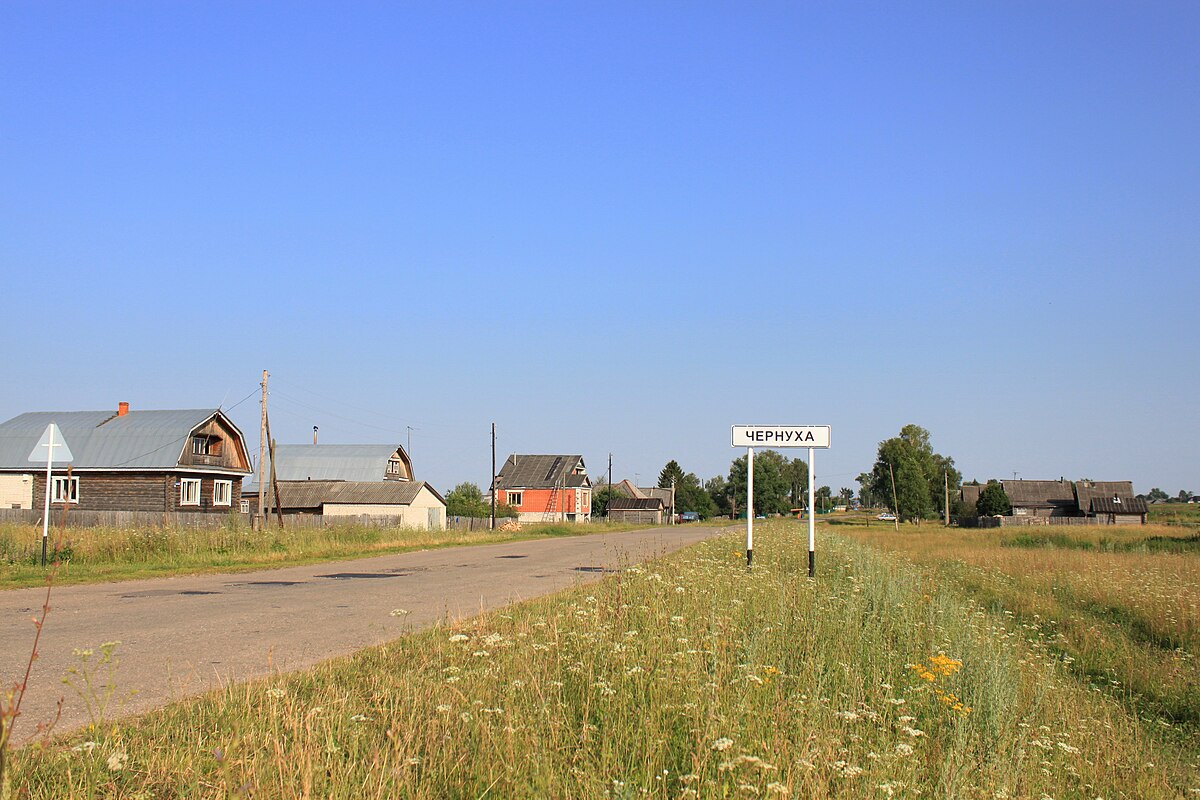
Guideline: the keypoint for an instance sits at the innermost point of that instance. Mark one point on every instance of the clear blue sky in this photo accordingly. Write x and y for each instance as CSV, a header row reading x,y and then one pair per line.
x,y
616,227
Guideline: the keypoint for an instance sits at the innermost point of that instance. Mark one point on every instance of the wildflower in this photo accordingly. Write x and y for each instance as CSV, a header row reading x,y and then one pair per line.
x,y
722,744
904,749
443,708
116,762
481,654
277,692
86,747
359,718
459,637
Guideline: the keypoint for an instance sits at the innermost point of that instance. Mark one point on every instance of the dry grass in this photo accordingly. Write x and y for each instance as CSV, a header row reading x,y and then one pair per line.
x,y
685,678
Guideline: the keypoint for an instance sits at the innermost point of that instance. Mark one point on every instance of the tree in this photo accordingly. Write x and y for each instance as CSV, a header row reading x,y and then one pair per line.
x,y
993,500
1157,495
466,500
1184,496
718,491
824,498
919,475
797,473
866,494
771,483
601,497
845,496
690,495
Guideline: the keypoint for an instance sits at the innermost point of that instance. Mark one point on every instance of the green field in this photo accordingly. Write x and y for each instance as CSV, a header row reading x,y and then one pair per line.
x,y
897,673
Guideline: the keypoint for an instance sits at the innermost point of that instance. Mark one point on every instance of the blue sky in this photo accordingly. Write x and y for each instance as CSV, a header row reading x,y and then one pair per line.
x,y
616,227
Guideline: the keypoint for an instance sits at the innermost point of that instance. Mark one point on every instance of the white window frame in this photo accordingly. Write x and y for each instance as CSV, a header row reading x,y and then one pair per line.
x,y
58,483
196,485
244,506
514,499
228,486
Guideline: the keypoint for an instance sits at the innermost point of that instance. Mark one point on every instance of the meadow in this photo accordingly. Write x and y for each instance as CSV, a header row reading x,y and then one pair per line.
x,y
687,677
92,555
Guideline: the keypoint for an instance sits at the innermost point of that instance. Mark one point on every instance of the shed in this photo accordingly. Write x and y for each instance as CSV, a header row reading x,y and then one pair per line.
x,y
412,504
636,510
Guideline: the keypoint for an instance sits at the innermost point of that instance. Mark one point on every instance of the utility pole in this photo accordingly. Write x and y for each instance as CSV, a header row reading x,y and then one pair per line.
x,y
895,500
493,476
262,458
946,480
610,471
672,501
410,430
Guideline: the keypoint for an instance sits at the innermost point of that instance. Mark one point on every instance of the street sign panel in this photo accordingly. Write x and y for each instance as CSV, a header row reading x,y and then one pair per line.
x,y
51,447
816,436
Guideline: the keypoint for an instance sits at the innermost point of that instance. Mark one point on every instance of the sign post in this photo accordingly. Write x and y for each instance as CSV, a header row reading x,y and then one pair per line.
x,y
813,437
44,451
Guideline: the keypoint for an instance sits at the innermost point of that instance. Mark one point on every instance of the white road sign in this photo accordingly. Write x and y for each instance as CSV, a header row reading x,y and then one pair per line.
x,y
51,447
816,436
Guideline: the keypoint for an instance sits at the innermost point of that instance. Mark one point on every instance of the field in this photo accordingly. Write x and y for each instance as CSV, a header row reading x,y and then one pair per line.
x,y
91,555
911,667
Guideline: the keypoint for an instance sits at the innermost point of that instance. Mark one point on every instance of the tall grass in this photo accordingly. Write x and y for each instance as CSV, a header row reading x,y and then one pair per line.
x,y
687,677
97,554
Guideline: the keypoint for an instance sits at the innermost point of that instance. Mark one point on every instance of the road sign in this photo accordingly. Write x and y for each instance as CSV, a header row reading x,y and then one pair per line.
x,y
815,436
51,447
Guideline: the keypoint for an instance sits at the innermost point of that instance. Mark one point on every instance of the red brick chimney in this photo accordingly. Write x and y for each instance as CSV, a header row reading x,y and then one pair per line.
x,y
122,409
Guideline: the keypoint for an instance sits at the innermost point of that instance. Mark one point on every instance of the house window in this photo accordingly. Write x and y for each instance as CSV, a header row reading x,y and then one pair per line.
x,y
393,467
244,505
206,446
189,492
515,498
64,490
222,493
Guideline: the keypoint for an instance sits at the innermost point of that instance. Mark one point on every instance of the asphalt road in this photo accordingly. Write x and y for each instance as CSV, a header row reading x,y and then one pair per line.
x,y
183,636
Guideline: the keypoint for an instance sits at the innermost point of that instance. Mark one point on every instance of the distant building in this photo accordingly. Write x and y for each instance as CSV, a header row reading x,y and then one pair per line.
x,y
636,510
410,504
1049,502
169,461
665,495
546,488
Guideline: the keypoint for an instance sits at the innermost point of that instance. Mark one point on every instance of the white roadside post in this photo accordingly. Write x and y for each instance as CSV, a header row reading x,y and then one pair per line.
x,y
813,437
44,450
749,507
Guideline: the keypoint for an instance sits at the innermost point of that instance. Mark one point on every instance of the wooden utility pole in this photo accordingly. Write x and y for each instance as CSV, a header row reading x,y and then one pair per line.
x,y
946,481
493,476
262,458
275,485
895,500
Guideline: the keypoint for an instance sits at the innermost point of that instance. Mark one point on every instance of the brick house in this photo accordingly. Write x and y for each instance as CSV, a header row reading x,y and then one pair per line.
x,y
163,461
545,488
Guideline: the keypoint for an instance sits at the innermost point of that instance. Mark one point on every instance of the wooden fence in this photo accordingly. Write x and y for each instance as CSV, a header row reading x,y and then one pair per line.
x,y
157,520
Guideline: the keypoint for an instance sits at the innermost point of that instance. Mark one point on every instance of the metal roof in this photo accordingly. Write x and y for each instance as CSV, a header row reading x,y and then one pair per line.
x,y
1118,505
635,504
104,440
335,462
314,494
541,472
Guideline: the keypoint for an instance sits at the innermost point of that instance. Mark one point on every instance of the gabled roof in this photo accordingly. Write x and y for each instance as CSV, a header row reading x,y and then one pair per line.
x,y
314,494
103,440
541,472
1086,491
663,494
627,488
336,462
1043,494
635,504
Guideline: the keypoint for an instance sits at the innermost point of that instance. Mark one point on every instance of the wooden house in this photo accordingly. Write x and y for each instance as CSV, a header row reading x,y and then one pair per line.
x,y
168,461
636,510
546,488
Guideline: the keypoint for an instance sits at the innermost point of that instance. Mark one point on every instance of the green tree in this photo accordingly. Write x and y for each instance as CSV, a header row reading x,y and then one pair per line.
x,y
718,491
824,498
920,474
601,497
466,500
771,483
993,500
672,474
1157,494
866,492
845,496
797,474
690,494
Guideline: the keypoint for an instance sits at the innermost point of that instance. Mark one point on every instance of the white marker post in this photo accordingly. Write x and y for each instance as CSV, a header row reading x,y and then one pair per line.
x,y
811,436
44,451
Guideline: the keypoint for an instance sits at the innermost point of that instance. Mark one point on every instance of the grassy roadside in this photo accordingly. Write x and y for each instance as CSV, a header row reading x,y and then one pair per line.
x,y
688,677
97,555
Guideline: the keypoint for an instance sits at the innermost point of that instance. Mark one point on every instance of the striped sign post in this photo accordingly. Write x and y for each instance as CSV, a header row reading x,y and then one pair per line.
x,y
813,437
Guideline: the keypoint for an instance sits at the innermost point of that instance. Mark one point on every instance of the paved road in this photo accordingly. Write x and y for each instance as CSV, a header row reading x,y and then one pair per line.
x,y
183,636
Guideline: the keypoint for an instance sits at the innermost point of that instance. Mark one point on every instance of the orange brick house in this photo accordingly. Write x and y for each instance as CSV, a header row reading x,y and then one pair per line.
x,y
546,488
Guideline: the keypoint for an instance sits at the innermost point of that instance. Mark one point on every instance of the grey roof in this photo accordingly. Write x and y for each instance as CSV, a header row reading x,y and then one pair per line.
x,y
1087,491
541,472
664,494
103,440
1118,505
635,504
314,494
1040,494
334,462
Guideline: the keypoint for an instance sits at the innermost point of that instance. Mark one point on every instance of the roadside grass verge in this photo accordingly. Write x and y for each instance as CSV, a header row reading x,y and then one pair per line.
x,y
96,555
1120,605
687,677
